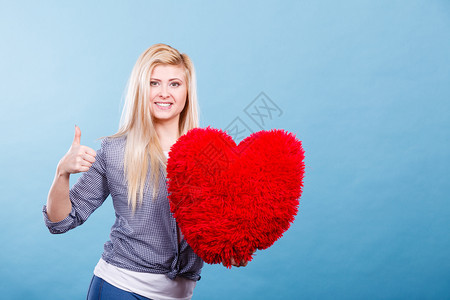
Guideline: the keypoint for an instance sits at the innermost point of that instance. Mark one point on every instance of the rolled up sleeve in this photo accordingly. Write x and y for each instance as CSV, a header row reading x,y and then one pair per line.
x,y
61,226
86,195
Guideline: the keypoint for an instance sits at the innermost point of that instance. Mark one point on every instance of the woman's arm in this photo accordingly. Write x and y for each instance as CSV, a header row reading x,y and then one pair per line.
x,y
58,202
78,159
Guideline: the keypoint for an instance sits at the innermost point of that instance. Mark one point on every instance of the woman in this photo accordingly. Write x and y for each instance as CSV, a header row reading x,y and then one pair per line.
x,y
146,256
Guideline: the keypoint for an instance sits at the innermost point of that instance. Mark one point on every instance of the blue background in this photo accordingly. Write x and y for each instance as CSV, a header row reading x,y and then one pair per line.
x,y
364,84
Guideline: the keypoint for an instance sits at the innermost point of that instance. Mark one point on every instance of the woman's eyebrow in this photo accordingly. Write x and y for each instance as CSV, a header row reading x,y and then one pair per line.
x,y
169,79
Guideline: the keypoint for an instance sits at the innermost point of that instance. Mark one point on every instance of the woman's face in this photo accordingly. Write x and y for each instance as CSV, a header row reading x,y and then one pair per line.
x,y
168,92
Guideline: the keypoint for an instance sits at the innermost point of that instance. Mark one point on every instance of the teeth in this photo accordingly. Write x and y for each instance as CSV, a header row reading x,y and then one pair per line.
x,y
164,104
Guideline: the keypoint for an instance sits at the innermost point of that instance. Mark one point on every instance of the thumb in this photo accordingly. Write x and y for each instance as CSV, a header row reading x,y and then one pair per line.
x,y
76,139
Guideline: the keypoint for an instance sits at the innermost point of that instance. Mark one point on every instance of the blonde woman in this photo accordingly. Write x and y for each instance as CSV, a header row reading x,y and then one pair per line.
x,y
146,256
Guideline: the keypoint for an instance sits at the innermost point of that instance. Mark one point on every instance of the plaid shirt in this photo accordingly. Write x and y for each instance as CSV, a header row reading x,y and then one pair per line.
x,y
145,242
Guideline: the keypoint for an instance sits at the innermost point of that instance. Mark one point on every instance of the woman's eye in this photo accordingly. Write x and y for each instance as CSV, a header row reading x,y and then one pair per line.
x,y
175,84
153,83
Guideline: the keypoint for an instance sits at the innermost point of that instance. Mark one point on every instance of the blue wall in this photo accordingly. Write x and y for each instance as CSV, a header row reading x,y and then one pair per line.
x,y
364,84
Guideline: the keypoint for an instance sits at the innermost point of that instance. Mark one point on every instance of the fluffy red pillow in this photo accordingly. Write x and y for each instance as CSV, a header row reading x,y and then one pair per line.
x,y
231,200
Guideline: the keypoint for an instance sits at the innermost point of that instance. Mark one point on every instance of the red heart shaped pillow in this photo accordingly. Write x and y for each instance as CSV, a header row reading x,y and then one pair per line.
x,y
230,200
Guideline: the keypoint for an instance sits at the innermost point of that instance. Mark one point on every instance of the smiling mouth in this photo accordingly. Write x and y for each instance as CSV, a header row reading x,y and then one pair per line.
x,y
164,104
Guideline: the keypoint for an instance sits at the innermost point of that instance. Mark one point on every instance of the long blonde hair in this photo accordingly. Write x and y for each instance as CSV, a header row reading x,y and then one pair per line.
x,y
136,123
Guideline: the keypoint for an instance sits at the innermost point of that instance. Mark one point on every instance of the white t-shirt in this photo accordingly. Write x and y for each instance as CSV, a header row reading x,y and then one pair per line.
x,y
154,286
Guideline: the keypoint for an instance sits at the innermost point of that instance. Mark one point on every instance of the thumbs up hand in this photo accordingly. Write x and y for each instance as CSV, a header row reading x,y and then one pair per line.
x,y
78,159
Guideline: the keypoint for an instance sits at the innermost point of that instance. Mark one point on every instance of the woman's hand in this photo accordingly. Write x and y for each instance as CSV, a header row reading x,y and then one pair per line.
x,y
78,159
242,263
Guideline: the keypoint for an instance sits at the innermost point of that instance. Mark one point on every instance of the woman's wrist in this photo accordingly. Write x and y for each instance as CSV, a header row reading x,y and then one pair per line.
x,y
61,172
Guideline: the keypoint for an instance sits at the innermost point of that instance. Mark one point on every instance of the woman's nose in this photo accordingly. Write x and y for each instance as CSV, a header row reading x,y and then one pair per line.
x,y
163,93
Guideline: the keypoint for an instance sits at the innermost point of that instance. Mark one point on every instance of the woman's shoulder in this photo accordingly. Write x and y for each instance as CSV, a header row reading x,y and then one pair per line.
x,y
113,144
